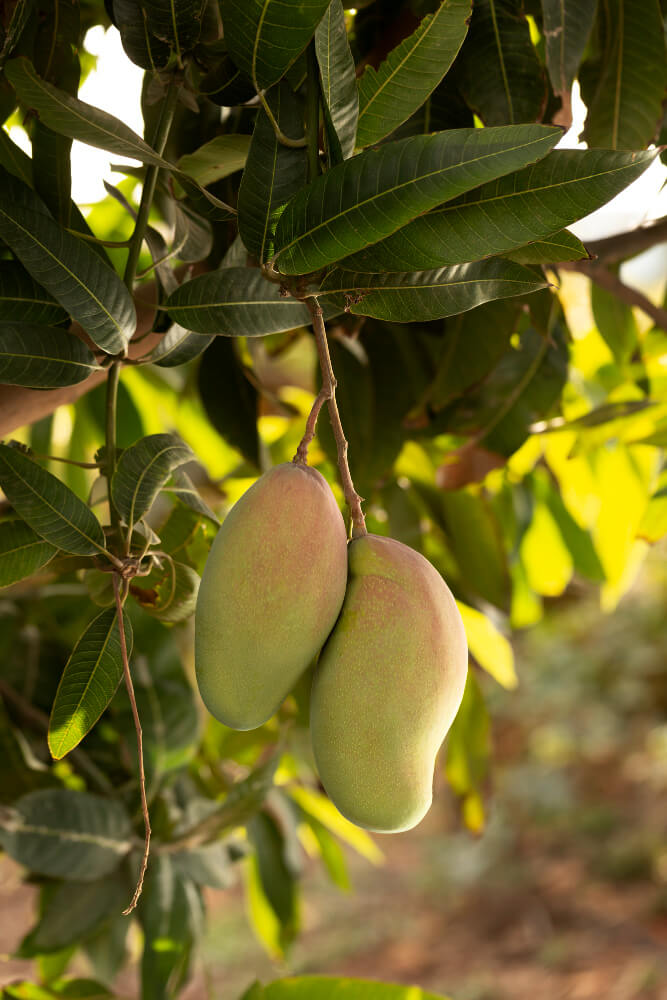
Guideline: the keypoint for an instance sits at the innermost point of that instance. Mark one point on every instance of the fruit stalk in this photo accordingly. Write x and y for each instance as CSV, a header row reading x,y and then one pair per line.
x,y
328,394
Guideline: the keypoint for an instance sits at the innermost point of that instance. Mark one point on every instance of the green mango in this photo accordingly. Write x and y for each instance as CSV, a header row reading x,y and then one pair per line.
x,y
387,686
271,590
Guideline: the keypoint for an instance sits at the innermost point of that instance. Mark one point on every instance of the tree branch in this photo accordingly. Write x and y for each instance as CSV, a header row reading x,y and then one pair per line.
x,y
615,248
612,283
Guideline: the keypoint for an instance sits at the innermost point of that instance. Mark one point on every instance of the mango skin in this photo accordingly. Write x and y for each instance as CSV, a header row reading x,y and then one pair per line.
x,y
271,590
387,686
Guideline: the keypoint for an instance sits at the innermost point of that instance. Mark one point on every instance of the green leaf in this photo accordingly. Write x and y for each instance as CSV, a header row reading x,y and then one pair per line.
x,y
426,295
330,988
367,198
183,488
73,989
273,174
89,682
69,116
235,302
20,772
22,552
653,524
66,834
510,212
41,357
178,346
511,87
469,749
169,595
338,83
170,911
615,322
14,160
10,34
49,507
411,71
624,89
22,299
566,27
578,541
136,35
230,399
264,37
142,471
320,808
216,159
489,647
332,854
271,877
89,289
74,911
562,246
225,84
209,865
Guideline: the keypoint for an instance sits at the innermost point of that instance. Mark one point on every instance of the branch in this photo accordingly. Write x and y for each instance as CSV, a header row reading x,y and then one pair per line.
x,y
328,393
622,245
612,283
140,750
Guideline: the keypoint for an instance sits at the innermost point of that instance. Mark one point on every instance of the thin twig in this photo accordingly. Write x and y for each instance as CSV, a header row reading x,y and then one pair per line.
x,y
625,293
140,749
280,135
328,393
67,461
622,245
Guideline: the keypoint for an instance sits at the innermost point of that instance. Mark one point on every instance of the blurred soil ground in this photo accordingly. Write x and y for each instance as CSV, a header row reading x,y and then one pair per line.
x,y
564,896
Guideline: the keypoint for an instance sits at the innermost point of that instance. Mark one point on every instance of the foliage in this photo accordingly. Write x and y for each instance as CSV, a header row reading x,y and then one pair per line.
x,y
365,163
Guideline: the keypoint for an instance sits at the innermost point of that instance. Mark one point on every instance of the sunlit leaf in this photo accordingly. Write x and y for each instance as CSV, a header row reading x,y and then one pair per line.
x,y
411,71
567,25
469,751
545,556
89,682
178,346
489,647
327,988
216,159
372,195
322,809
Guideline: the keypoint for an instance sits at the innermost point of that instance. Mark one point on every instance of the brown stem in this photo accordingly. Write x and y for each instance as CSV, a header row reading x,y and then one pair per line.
x,y
328,393
614,248
612,283
140,749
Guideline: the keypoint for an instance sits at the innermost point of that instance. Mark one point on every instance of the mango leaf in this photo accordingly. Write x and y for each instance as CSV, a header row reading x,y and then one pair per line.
x,y
578,541
271,886
142,471
624,89
274,172
516,209
235,302
169,595
367,198
74,911
231,401
66,834
69,989
225,84
14,160
209,865
566,26
11,32
22,552
264,37
473,344
216,159
521,389
426,295
615,322
89,682
19,771
546,559
331,988
178,346
90,290
170,912
49,507
176,23
321,809
69,116
469,753
139,42
183,488
489,647
562,246
42,357
411,71
22,299
338,83
653,524
512,87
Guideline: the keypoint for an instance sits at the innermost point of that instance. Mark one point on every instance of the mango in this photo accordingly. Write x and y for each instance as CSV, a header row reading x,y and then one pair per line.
x,y
271,590
387,686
